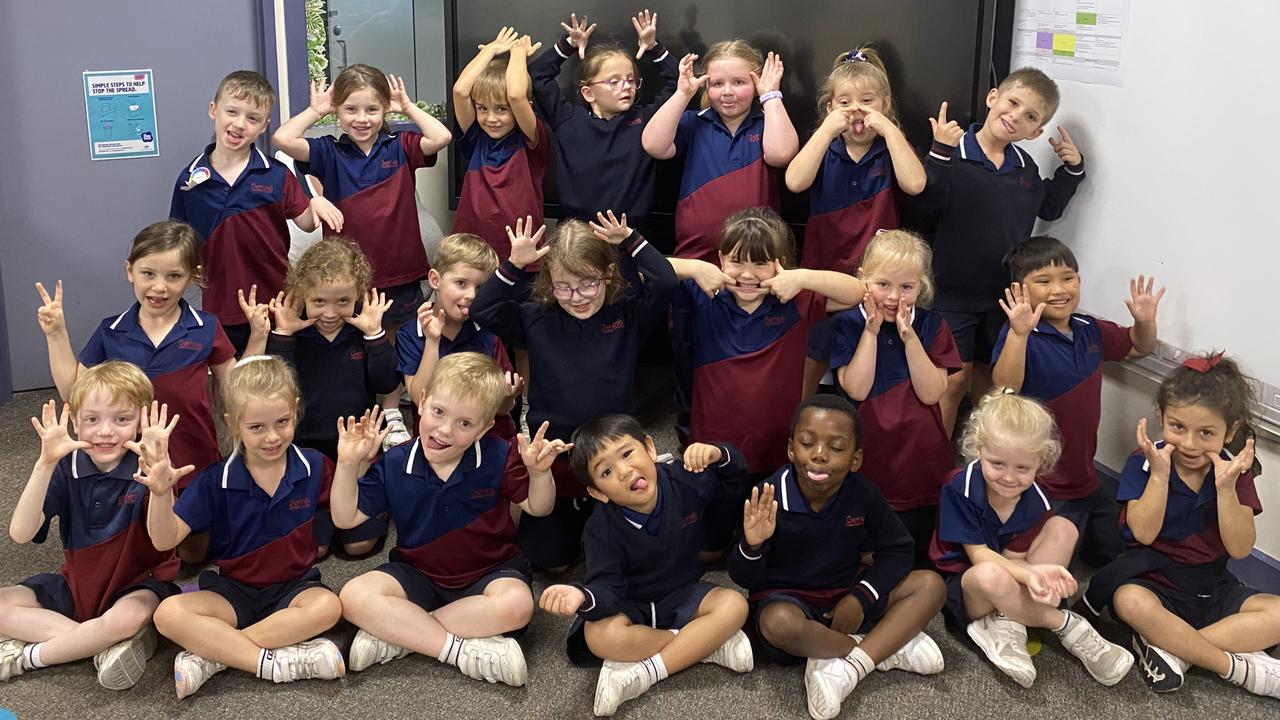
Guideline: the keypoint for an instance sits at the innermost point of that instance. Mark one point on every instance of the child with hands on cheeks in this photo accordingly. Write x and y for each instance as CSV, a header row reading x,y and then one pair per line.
x,y
642,608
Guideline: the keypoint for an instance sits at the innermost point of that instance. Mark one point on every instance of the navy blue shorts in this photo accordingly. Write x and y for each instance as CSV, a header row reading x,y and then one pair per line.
x,y
1200,610
671,612
975,332
54,593
253,603
768,652
1097,518
953,611
405,300
428,595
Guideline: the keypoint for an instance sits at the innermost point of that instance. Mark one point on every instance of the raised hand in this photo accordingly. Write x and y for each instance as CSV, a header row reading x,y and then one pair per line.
x,y
770,77
321,97
328,213
539,453
579,33
1142,303
785,284
710,279
836,122
55,439
49,314
507,38
515,384
1017,306
527,46
431,321
524,242
375,305
876,120
1160,460
611,229
906,330
646,25
759,516
287,313
875,318
699,456
155,469
562,600
400,100
688,83
360,438
946,132
1066,149
1226,472
257,314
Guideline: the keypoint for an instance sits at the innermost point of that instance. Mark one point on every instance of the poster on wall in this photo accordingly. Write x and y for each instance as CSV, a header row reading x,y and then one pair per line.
x,y
1072,39
121,111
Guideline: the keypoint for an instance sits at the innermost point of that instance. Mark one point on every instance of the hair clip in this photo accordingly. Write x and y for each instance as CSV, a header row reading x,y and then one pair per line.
x,y
855,56
1202,364
250,358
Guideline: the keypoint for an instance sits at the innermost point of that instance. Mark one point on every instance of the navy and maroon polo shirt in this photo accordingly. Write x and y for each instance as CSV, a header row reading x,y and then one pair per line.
x,y
470,338
849,202
503,182
966,518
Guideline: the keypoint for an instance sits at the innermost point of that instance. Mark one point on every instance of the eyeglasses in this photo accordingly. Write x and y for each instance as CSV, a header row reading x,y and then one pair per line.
x,y
586,290
617,83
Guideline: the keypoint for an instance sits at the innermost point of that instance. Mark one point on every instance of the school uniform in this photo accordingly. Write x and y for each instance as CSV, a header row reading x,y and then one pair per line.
x,y
107,554
178,369
503,181
849,202
263,545
600,164
813,561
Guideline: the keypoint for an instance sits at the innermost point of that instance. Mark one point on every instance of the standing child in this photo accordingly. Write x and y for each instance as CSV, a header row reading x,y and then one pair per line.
x,y
1002,552
892,357
260,611
239,199
100,603
642,608
806,596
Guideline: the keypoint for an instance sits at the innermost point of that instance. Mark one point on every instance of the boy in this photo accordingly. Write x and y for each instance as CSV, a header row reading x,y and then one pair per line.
x,y
1050,352
101,602
238,199
456,582
642,608
986,201
806,597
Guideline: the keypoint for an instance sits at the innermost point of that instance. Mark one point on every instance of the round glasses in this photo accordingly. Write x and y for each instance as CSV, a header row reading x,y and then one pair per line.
x,y
586,290
617,83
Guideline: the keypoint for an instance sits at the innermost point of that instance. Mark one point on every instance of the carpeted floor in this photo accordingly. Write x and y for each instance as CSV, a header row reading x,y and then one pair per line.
x,y
418,687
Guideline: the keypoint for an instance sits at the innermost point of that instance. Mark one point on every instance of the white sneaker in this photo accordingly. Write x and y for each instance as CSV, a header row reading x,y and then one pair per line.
x,y
1162,671
493,659
920,655
1262,675
397,431
191,671
120,666
618,683
1004,642
1107,662
734,654
367,650
10,657
826,684
317,659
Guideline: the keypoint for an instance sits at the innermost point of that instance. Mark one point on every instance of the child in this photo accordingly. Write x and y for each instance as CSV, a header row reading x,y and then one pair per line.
x,y
259,612
343,360
463,262
892,357
642,608
807,591
238,199
100,603
456,582
1189,506
1050,352
1001,551
731,149
583,328
600,162
984,205
507,145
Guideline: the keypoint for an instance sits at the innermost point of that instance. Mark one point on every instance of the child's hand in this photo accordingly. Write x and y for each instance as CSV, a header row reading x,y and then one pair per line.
x,y
770,77
1160,460
288,314
579,33
432,323
906,330
562,600
539,453
785,284
257,314
1022,319
55,439
507,38
688,83
328,213
515,384
646,25
698,456
369,321
944,131
400,100
321,97
611,229
524,246
1142,303
874,317
155,470
1226,472
759,516
1065,148
360,439
1050,584
49,314
836,122
710,279
877,120
526,45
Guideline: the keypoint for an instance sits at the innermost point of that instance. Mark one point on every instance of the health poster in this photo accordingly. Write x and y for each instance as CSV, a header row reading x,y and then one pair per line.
x,y
121,111
1072,39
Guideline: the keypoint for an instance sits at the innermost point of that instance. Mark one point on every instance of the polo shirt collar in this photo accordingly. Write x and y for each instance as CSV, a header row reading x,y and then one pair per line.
x,y
971,150
837,148
82,467
1030,506
651,522
235,474
188,320
417,466
382,138
713,117
769,302
1044,327
1208,490
257,161
864,316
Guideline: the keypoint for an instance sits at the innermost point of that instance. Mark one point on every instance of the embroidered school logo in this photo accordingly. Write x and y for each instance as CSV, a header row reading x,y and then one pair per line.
x,y
483,493
1093,348
851,521
615,325
260,188
190,345
129,498
356,355
1024,182
389,164
636,121
753,137
689,519
774,320
878,171
301,503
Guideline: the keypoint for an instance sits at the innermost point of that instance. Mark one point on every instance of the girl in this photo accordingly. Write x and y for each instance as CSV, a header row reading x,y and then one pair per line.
x,y
599,159
731,147
583,334
892,357
1189,506
343,359
1001,551
258,613
176,345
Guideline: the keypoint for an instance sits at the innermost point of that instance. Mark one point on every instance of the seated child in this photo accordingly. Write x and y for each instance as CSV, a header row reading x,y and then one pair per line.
x,y
100,603
808,591
642,608
1050,352
1002,552
259,613
456,581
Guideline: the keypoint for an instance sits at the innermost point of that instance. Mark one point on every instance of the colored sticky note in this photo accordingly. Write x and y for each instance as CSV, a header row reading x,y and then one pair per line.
x,y
1044,41
1064,44
1084,18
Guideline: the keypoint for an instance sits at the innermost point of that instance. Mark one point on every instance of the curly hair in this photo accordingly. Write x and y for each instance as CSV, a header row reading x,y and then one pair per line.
x,y
1015,420
332,259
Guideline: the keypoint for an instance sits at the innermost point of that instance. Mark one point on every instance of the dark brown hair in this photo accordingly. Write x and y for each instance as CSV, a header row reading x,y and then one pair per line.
x,y
757,234
169,235
361,77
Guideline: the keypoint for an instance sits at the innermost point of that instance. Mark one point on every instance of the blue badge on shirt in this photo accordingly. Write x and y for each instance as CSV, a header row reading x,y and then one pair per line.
x,y
196,177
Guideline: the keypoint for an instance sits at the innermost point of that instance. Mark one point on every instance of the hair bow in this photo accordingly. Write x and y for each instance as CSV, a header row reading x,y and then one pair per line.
x,y
855,56
1203,364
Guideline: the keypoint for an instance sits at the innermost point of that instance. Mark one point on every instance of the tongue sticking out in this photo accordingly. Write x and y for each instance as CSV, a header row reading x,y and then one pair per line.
x,y
859,126
639,484
435,444
817,477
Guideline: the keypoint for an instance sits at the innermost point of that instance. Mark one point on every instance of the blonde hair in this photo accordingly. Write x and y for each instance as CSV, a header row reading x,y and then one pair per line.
x,y
167,235
332,259
576,249
258,378
1037,82
358,77
123,383
247,85
861,64
1003,417
727,49
490,86
757,234
900,249
467,250
472,377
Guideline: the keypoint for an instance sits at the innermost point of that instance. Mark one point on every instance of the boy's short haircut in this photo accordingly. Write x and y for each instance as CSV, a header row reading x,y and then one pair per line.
x,y
464,249
591,436
247,85
1037,82
473,377
490,86
1038,253
123,382
833,403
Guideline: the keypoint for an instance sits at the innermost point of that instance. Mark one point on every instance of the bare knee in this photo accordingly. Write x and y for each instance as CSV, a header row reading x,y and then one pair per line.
x,y
360,548
324,607
124,619
1059,530
781,623
514,607
1133,603
924,584
170,616
727,604
988,579
603,635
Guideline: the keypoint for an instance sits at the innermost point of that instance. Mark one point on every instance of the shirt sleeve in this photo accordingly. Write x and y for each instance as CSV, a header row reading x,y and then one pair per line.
x,y
94,351
326,482
1133,478
411,143
544,72
195,505
323,155
409,348
892,547
178,203
959,520
1116,342
539,155
659,282
497,306
684,132
1247,493
500,356
222,350
942,351
749,569
1059,190
846,333
605,584
468,139
371,491
933,200
999,344
515,478
295,201
380,365
668,65
57,497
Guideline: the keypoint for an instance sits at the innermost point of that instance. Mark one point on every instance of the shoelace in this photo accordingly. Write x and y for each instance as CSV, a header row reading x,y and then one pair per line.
x,y
307,662
1092,646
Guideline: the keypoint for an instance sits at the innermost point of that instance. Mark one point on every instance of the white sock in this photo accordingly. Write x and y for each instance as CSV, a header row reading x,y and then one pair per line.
x,y
266,664
31,656
1066,623
1238,670
451,649
861,662
674,631
656,667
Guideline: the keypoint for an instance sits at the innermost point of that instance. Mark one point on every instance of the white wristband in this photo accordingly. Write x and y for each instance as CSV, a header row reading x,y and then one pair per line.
x,y
771,95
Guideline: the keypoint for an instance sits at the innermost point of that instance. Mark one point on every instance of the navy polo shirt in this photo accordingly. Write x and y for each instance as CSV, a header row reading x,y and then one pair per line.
x,y
242,221
255,538
470,338
178,369
966,518
1065,373
849,202
102,521
503,181
455,530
